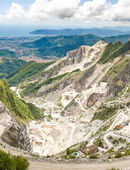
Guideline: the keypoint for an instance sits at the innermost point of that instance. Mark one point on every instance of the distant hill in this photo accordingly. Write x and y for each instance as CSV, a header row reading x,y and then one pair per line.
x,y
61,40
58,46
97,31
122,38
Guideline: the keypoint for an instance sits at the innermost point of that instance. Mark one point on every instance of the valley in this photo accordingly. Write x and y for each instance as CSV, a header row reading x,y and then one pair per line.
x,y
73,108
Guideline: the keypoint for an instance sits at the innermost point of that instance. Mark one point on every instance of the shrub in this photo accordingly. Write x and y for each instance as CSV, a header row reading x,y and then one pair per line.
x,y
69,151
99,142
118,155
127,153
93,156
113,169
21,163
8,162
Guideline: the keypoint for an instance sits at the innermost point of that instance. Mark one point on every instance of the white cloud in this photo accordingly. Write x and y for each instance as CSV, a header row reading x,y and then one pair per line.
x,y
15,12
42,9
92,11
119,12
102,10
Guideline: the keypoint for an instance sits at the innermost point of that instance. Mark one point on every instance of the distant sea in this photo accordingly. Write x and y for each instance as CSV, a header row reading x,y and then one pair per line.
x,y
17,31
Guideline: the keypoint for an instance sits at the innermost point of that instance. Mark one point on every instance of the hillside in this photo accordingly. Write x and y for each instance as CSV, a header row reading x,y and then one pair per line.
x,y
21,110
64,67
114,50
58,46
109,51
15,116
76,61
122,38
9,65
85,98
76,92
26,72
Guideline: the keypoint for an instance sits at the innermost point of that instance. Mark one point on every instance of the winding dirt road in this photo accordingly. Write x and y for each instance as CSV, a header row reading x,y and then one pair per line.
x,y
35,165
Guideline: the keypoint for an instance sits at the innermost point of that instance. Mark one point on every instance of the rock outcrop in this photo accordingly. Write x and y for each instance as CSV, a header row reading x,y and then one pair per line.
x,y
80,58
13,133
120,77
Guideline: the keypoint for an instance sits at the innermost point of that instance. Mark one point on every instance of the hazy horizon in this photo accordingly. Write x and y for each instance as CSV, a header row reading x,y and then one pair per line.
x,y
24,30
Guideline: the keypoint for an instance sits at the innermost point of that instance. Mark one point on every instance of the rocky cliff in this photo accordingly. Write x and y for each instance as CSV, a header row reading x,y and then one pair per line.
x,y
11,132
80,58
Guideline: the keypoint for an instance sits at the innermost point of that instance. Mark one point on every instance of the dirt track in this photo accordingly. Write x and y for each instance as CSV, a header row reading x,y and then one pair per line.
x,y
35,165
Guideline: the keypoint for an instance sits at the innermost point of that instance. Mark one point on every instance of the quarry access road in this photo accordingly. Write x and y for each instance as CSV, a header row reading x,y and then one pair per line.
x,y
38,165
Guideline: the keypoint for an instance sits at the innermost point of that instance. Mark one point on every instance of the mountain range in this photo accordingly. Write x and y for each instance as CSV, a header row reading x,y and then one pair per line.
x,y
97,31
58,46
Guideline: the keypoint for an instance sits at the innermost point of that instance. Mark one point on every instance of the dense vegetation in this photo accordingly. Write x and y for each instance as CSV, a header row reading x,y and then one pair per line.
x,y
125,48
21,110
105,113
114,50
58,51
9,65
109,51
59,45
8,162
27,71
122,38
7,53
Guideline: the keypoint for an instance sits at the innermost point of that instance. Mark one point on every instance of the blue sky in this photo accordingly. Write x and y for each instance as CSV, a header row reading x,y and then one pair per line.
x,y
66,12
5,4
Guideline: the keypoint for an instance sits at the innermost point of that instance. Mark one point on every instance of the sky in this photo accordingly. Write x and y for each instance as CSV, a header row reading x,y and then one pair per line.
x,y
65,13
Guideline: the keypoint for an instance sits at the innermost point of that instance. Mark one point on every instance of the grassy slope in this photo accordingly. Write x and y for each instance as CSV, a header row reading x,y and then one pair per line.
x,y
26,72
9,65
125,48
111,48
49,83
116,69
19,109
114,50
34,87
